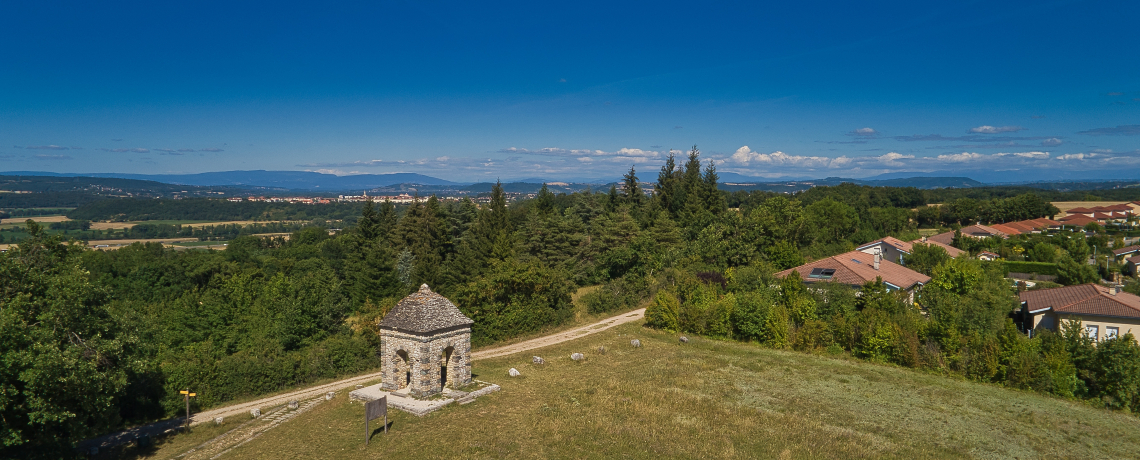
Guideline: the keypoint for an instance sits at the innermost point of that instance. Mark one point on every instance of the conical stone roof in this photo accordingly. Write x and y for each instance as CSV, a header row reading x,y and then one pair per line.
x,y
425,312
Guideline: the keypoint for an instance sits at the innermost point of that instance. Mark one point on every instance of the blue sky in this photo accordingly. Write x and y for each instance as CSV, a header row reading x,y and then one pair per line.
x,y
469,91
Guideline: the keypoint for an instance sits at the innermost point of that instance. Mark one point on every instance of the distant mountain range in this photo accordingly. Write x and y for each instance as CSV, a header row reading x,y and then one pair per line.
x,y
290,180
313,181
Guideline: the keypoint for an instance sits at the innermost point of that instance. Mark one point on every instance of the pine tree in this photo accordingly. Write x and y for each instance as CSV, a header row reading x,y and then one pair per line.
x,y
665,191
632,190
612,199
714,201
368,222
386,221
488,237
544,202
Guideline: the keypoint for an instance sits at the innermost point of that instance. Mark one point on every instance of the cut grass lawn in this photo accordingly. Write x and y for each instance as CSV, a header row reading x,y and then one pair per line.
x,y
706,399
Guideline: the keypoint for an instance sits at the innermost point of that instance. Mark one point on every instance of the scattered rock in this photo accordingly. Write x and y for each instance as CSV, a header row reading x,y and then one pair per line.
x,y
601,350
255,413
359,387
293,404
636,343
219,420
538,360
577,356
329,396
684,339
514,372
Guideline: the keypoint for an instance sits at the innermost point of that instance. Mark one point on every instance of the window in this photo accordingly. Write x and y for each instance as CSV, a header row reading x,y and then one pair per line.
x,y
1111,332
822,273
1093,332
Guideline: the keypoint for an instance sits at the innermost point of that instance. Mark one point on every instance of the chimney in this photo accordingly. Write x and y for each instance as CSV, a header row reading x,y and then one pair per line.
x,y
878,257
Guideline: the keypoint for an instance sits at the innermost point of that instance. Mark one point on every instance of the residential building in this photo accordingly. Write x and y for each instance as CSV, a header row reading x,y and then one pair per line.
x,y
1122,253
1104,312
1132,266
857,268
896,250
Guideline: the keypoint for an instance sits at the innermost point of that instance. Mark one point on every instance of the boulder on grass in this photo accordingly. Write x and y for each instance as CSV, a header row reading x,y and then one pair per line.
x,y
636,343
577,356
684,339
538,360
514,372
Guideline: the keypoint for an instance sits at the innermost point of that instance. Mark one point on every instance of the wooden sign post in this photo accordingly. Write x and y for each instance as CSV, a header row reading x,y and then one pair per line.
x,y
373,410
186,394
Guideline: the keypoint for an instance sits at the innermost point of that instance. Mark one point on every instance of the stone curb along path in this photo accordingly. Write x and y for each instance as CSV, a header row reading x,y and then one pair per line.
x,y
313,392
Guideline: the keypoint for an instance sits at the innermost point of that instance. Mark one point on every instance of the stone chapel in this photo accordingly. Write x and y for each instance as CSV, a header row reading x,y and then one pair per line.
x,y
425,345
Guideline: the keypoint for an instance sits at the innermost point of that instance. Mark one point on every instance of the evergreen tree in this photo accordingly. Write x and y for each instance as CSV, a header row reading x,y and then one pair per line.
x,y
714,201
544,202
612,199
488,237
665,191
386,221
691,179
369,221
632,190
424,233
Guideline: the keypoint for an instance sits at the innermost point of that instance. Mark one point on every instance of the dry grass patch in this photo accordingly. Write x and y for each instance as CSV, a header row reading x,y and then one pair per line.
x,y
710,399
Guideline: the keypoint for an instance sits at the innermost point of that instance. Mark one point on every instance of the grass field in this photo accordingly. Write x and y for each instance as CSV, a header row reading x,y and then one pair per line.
x,y
704,399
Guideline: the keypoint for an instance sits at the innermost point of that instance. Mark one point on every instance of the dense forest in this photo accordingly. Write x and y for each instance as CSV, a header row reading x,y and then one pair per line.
x,y
94,340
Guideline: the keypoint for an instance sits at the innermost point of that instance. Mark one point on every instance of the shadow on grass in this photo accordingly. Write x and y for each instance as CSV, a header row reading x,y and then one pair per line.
x,y
381,430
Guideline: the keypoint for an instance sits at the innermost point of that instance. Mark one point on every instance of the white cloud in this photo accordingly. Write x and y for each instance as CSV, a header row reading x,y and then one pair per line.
x,y
1076,156
864,132
959,157
746,156
1052,142
1034,155
987,129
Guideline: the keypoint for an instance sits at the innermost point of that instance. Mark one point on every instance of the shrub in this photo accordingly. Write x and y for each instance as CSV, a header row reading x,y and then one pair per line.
x,y
618,294
514,298
662,314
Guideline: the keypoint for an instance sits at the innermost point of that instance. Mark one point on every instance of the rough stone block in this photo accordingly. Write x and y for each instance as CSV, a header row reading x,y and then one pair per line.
x,y
514,372
294,404
636,343
538,360
255,413
684,339
577,356
329,396
219,420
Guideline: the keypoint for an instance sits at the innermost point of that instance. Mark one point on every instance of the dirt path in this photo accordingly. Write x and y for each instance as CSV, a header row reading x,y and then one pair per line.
x,y
312,392
561,336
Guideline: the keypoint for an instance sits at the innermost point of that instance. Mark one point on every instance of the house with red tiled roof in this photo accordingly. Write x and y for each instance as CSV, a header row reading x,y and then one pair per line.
x,y
1120,253
988,256
1077,220
1105,312
1026,226
1132,266
857,268
896,250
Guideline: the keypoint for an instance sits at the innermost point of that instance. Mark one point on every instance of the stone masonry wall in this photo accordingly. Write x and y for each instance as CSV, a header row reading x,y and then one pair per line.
x,y
424,360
